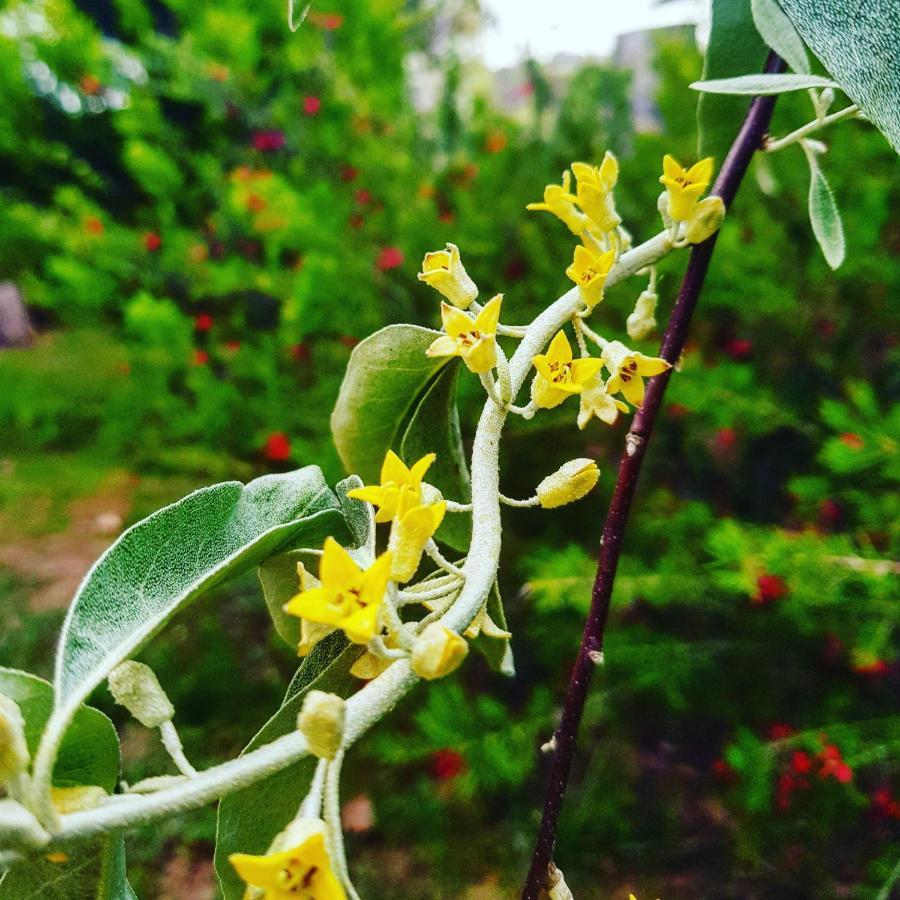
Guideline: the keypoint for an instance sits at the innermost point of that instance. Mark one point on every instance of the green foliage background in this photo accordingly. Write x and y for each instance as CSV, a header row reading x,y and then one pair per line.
x,y
196,295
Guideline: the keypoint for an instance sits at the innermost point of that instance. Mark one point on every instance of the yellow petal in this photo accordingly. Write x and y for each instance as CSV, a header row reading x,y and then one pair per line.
x,y
455,321
609,171
368,494
393,469
482,357
314,605
701,172
375,580
560,350
444,346
546,395
409,536
671,168
584,369
337,568
650,365
436,260
419,468
259,871
633,391
362,626
369,666
486,321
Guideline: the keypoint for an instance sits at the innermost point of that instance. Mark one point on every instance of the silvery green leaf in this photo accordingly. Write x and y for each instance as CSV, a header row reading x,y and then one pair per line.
x,y
824,215
776,30
754,85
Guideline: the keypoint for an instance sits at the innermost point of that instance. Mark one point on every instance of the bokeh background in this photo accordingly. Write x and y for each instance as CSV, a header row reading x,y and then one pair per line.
x,y
203,213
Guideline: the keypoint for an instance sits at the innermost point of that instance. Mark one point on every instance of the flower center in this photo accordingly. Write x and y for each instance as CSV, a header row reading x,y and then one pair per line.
x,y
469,338
626,373
560,372
348,601
296,878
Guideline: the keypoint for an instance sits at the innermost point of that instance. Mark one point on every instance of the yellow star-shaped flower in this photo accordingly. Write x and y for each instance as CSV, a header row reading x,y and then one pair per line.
x,y
560,201
415,524
685,186
475,341
394,477
558,375
589,271
626,368
302,873
596,401
348,597
444,271
595,191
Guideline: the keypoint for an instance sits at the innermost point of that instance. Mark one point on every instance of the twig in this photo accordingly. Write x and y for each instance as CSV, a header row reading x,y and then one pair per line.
x,y
747,142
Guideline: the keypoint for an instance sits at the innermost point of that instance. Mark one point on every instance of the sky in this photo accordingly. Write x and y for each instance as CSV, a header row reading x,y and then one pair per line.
x,y
583,27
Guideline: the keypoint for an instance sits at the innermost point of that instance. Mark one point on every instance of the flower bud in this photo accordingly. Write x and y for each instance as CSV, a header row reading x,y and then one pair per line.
x,y
642,321
568,483
321,721
437,652
444,271
662,205
77,799
555,887
706,219
13,748
135,686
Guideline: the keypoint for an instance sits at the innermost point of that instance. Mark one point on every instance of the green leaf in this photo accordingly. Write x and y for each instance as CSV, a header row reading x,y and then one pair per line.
x,y
94,870
90,750
359,516
776,30
433,426
734,48
250,819
754,85
164,562
824,215
497,652
384,381
857,43
89,755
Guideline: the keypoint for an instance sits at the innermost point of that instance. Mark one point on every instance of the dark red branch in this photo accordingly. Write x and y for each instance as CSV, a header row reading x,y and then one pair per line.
x,y
747,142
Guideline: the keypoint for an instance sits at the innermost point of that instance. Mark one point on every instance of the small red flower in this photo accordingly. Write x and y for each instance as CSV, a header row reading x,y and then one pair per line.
x,y
278,447
833,765
852,440
362,197
883,805
232,346
777,731
152,241
201,358
92,225
801,762
770,588
724,444
739,348
784,788
389,258
203,321
446,764
268,141
311,105
349,173
300,352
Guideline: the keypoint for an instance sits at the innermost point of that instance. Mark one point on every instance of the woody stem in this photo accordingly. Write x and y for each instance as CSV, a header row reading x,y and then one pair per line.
x,y
747,142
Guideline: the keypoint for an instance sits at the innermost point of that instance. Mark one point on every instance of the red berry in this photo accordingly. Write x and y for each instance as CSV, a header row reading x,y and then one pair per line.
x,y
362,197
300,352
201,358
349,173
311,105
203,322
739,348
800,762
278,447
778,731
268,141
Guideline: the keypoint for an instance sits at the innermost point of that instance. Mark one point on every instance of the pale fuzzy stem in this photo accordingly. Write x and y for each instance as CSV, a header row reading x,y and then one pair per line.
x,y
311,806
526,412
520,504
429,583
431,548
454,507
599,341
311,550
513,331
488,383
172,742
851,111
578,325
428,596
368,705
333,829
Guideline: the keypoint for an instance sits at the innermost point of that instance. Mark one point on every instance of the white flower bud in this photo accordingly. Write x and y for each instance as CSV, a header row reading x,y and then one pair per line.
x,y
662,205
321,721
569,483
642,321
437,652
555,887
706,219
135,686
13,748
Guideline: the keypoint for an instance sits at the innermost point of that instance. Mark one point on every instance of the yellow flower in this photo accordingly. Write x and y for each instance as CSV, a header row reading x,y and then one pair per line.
x,y
561,202
589,272
302,873
310,632
595,191
394,477
13,747
685,185
558,375
597,401
321,721
706,219
414,526
626,368
570,482
349,597
444,271
437,652
475,342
